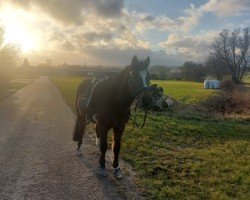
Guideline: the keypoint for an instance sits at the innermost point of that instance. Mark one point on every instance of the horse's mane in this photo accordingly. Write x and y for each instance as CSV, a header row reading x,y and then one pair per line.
x,y
120,80
118,90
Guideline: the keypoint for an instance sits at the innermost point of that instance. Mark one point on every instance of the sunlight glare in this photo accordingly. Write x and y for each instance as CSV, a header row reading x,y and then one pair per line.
x,y
18,31
18,35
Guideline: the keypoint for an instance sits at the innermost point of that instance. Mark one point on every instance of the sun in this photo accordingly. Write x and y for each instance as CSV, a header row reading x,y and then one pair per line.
x,y
18,31
18,35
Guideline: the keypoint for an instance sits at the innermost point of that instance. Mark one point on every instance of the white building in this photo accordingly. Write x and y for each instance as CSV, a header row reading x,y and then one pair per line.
x,y
211,84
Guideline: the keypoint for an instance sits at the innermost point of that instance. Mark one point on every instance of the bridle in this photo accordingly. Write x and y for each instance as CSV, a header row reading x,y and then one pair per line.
x,y
138,100
137,91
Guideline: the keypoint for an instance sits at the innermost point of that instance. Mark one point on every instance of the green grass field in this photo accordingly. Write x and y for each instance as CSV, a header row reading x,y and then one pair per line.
x,y
67,86
184,155
187,92
246,78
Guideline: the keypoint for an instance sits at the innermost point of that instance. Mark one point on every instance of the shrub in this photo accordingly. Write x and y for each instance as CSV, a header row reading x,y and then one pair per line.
x,y
234,100
227,85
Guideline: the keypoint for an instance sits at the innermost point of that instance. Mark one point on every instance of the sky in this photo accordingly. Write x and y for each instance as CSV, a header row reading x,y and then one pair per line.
x,y
110,32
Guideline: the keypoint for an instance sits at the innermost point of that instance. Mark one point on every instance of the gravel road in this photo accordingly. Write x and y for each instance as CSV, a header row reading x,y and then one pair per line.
x,y
37,154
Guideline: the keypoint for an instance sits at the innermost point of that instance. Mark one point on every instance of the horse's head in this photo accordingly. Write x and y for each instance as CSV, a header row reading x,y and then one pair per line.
x,y
139,81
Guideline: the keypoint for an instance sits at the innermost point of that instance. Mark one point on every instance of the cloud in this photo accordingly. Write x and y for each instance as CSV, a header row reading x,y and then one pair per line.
x,y
108,8
67,46
226,7
95,36
189,46
109,40
55,35
145,21
191,18
222,8
73,11
60,10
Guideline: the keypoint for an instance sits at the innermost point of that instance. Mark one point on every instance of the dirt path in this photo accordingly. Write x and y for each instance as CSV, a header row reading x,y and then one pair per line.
x,y
37,155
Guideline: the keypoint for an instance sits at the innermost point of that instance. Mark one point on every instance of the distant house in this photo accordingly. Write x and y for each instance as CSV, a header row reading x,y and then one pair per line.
x,y
65,65
175,70
25,64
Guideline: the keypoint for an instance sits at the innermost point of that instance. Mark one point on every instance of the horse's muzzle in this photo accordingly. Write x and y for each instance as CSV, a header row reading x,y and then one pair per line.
x,y
146,99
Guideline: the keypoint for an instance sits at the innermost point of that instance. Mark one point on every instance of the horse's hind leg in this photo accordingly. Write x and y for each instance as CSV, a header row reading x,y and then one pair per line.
x,y
102,132
97,141
116,150
79,131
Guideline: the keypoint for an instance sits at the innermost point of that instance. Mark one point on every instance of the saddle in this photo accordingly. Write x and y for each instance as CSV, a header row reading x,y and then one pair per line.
x,y
87,95
93,96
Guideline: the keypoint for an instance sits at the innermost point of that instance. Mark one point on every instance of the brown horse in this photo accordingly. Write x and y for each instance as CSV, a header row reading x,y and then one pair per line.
x,y
111,102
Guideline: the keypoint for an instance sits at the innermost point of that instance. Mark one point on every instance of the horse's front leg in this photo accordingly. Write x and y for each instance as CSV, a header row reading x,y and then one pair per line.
x,y
116,146
103,132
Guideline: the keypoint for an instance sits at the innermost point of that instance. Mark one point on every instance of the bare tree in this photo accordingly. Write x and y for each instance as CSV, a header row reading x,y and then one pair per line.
x,y
216,67
232,49
8,55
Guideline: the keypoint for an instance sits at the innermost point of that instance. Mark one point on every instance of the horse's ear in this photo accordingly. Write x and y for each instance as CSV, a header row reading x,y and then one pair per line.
x,y
147,61
134,61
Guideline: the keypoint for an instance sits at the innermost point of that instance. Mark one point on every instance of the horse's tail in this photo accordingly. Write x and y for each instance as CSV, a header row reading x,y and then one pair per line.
x,y
79,128
80,121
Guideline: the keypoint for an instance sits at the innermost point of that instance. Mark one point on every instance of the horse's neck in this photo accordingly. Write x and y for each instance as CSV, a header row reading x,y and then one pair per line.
x,y
121,93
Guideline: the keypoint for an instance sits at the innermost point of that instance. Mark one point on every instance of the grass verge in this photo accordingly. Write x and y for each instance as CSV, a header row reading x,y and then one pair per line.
x,y
12,86
16,82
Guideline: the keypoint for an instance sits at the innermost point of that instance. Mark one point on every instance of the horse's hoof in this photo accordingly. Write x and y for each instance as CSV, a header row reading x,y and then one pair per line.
x,y
118,173
79,152
103,172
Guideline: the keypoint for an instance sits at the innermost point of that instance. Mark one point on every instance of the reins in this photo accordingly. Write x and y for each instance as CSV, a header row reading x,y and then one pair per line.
x,y
135,116
135,108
